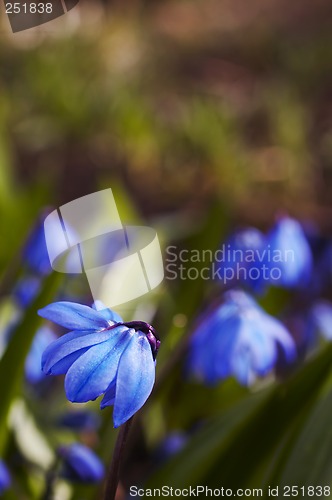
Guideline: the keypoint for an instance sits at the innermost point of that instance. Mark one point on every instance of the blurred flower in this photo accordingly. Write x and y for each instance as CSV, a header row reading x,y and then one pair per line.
x,y
238,338
79,420
102,355
290,257
26,290
320,319
322,275
33,369
297,324
80,464
35,251
172,444
5,479
242,256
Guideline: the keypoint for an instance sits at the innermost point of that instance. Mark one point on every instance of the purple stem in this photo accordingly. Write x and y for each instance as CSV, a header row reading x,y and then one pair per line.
x,y
112,479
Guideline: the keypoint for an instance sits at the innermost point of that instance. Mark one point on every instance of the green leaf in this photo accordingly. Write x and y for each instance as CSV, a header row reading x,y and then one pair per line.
x,y
252,446
192,464
309,461
240,442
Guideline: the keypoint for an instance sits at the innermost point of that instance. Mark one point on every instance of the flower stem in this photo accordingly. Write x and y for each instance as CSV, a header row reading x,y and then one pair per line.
x,y
114,471
51,477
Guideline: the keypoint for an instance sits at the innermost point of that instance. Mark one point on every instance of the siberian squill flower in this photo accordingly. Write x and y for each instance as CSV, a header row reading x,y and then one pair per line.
x,y
80,464
35,253
5,479
26,291
102,355
242,258
320,319
33,370
80,421
290,258
297,323
237,338
171,445
322,273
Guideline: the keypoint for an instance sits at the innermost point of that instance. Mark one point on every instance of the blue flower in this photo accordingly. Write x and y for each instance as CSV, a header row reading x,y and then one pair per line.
x,y
102,355
35,251
320,319
238,338
171,445
26,290
290,258
242,257
5,479
79,420
80,464
42,339
322,275
297,323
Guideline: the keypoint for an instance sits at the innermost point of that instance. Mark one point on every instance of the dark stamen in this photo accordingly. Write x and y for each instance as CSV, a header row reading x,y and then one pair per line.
x,y
150,333
145,328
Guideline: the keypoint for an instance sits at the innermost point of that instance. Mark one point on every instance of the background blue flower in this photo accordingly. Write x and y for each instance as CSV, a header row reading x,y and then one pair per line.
x,y
242,253
33,368
80,464
35,254
26,290
5,479
320,319
35,250
102,355
237,338
80,420
287,239
172,444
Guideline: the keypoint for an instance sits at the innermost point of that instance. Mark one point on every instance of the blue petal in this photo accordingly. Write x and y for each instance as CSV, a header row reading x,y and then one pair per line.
x,y
74,316
93,372
5,479
288,238
106,313
80,420
171,445
42,340
320,319
222,348
255,339
135,379
241,366
282,337
109,397
214,357
35,251
236,300
69,344
62,366
84,464
98,305
26,290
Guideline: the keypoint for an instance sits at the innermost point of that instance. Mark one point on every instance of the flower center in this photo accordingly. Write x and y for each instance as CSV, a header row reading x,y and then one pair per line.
x,y
150,333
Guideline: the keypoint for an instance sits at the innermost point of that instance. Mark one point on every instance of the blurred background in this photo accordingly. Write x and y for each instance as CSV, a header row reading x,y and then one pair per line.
x,y
203,116
181,102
